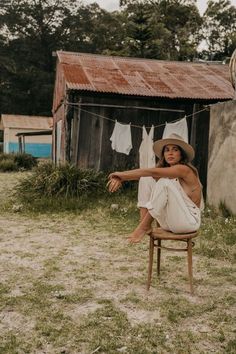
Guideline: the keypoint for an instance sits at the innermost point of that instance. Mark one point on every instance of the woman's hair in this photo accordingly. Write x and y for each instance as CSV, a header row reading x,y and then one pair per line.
x,y
184,160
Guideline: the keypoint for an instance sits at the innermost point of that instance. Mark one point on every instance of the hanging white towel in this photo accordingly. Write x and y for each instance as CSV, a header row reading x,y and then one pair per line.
x,y
146,154
180,128
121,138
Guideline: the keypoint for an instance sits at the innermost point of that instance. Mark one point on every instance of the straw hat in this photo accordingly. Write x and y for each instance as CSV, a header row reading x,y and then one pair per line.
x,y
174,139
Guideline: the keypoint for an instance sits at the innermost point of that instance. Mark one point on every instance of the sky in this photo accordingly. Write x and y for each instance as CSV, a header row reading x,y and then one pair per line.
x,y
111,5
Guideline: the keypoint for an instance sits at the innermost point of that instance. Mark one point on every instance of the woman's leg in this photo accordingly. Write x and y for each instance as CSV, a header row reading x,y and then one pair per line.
x,y
170,208
142,213
145,191
170,205
145,188
142,229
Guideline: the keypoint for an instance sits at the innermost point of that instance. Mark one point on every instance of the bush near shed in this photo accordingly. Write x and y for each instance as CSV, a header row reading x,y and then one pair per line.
x,y
16,162
66,187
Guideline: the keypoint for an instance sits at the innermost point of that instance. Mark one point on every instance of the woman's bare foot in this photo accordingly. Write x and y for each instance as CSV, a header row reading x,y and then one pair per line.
x,y
142,229
138,234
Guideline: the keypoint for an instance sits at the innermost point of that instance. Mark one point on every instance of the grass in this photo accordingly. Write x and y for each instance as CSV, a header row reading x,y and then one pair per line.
x,y
16,162
218,237
70,283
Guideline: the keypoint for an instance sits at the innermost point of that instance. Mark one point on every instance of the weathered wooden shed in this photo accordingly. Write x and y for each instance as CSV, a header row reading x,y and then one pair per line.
x,y
92,91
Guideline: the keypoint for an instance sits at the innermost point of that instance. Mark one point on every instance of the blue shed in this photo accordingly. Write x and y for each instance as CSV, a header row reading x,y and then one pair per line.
x,y
36,145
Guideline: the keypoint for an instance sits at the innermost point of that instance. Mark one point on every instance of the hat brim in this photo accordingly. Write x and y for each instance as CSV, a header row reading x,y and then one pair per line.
x,y
159,145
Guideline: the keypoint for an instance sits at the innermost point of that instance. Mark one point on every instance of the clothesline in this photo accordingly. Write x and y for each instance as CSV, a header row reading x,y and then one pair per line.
x,y
88,104
133,125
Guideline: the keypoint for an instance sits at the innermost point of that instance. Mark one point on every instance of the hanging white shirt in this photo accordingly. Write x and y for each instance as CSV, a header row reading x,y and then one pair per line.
x,y
146,154
180,127
121,138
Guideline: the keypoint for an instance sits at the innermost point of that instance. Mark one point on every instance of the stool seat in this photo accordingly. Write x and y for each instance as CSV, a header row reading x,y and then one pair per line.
x,y
157,235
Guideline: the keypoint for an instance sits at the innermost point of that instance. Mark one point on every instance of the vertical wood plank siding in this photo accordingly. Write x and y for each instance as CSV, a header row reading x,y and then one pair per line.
x,y
89,136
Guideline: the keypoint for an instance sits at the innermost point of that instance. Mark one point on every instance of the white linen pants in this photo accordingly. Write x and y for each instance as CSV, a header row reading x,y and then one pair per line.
x,y
168,203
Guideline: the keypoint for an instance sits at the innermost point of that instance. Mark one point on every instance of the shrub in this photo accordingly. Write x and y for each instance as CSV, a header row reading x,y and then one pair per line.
x,y
25,161
5,156
8,165
65,180
16,162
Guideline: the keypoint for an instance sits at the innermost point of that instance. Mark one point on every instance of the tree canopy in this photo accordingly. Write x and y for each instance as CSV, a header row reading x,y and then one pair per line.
x,y
31,30
220,29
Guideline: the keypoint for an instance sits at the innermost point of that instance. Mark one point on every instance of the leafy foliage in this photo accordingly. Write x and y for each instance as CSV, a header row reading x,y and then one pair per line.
x,y
32,30
161,29
8,165
220,28
25,161
66,181
16,162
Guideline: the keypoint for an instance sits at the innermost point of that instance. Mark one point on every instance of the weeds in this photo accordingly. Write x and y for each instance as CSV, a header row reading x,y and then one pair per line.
x,y
225,211
66,181
218,237
16,162
67,188
231,347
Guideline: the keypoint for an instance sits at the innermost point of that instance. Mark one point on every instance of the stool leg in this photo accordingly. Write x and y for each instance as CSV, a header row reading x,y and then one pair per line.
x,y
158,257
151,249
190,264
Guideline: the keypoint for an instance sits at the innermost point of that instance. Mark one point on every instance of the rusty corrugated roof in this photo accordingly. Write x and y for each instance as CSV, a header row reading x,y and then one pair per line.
x,y
145,77
26,122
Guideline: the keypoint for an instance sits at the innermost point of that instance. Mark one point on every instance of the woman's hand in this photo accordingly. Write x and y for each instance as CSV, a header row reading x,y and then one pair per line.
x,y
117,175
113,184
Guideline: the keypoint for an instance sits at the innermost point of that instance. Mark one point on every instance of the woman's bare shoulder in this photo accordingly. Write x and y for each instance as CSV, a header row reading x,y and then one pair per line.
x,y
185,172
184,169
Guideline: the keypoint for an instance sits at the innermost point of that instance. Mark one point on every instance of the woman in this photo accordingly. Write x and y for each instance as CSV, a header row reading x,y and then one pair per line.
x,y
171,193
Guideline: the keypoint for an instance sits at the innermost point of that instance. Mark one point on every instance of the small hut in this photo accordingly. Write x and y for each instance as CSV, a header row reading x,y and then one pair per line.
x,y
93,91
30,134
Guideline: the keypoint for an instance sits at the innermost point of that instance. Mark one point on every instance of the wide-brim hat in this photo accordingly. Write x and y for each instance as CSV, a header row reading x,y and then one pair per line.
x,y
173,139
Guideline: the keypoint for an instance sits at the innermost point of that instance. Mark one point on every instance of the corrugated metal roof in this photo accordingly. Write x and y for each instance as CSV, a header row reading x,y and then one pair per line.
x,y
145,77
26,122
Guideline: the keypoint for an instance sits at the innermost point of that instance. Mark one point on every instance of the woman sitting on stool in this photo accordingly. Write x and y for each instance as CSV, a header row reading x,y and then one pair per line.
x,y
171,193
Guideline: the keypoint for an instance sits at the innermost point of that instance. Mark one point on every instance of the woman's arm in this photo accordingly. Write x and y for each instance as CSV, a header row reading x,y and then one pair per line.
x,y
157,172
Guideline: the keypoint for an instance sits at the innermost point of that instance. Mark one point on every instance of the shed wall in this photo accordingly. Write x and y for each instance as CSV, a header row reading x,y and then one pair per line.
x,y
38,146
92,137
59,113
221,183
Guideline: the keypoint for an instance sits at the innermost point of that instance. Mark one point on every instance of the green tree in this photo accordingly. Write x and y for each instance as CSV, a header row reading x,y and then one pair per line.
x,y
183,21
162,29
31,32
220,29
138,29
92,29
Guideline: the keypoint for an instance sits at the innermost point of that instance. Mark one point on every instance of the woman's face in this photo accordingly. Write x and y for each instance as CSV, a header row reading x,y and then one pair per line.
x,y
172,154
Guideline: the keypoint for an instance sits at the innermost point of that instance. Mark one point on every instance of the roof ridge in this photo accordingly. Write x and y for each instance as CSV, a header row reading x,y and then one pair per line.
x,y
135,58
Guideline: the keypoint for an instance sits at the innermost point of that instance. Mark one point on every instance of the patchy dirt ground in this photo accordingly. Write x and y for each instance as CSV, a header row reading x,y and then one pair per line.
x,y
70,283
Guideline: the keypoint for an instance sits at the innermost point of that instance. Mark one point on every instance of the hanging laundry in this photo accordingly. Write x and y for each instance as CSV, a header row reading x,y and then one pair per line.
x,y
180,127
121,138
146,154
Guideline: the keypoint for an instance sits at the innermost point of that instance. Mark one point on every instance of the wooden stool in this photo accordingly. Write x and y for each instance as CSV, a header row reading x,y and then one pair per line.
x,y
156,236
